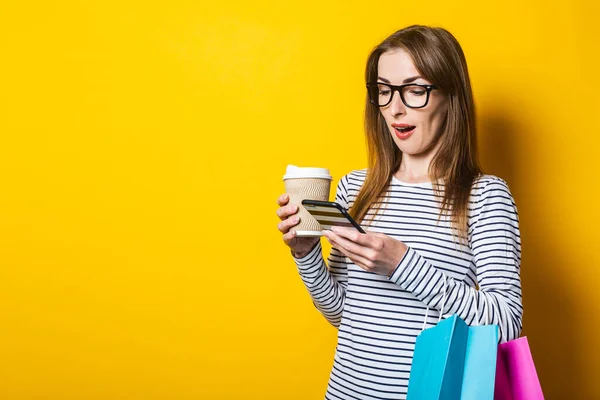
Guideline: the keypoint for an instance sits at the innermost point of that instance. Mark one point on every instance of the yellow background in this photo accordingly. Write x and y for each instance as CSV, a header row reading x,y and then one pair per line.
x,y
142,147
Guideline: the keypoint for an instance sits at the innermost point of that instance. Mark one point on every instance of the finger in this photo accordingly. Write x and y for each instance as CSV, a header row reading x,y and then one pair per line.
x,y
288,237
285,225
358,260
353,235
286,211
355,258
349,245
283,199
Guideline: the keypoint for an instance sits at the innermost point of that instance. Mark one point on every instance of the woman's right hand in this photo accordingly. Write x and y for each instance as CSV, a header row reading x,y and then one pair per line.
x,y
300,246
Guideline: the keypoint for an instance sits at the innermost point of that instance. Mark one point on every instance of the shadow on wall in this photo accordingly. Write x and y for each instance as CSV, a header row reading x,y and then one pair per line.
x,y
548,319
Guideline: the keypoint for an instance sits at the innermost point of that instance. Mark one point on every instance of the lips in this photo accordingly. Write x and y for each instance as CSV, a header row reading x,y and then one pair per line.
x,y
403,131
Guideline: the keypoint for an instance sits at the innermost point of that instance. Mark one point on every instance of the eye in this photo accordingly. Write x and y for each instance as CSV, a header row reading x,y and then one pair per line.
x,y
384,92
417,92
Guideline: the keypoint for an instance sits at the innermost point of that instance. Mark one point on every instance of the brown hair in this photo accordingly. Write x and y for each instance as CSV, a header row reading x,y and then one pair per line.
x,y
438,57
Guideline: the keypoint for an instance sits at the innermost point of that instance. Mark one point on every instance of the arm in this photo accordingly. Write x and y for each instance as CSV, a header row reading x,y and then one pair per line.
x,y
496,246
327,286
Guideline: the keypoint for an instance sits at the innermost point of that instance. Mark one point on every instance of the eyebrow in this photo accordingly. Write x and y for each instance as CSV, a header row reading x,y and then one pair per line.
x,y
407,80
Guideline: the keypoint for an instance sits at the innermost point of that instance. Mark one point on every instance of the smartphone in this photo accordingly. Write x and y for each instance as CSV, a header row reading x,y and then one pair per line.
x,y
328,213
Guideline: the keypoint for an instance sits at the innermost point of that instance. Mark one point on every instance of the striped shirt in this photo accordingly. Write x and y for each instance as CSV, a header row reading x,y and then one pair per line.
x,y
379,317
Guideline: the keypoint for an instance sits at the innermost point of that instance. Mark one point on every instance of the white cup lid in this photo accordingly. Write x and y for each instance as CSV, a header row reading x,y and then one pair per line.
x,y
294,172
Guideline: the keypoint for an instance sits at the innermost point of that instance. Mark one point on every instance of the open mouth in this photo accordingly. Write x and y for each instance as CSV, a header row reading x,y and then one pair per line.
x,y
405,129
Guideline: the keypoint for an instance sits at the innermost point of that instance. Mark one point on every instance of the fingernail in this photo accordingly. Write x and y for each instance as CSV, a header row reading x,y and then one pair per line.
x,y
334,228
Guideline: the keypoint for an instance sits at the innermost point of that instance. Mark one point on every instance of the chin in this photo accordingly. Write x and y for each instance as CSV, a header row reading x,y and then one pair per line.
x,y
406,148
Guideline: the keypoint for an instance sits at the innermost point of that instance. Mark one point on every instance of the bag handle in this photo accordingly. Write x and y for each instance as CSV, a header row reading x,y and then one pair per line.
x,y
477,308
443,304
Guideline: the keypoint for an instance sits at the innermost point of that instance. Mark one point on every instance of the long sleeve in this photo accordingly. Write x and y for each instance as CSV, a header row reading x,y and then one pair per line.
x,y
327,286
495,243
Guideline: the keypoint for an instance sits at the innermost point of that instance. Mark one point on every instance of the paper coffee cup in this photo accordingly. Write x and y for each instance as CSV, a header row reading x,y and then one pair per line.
x,y
306,183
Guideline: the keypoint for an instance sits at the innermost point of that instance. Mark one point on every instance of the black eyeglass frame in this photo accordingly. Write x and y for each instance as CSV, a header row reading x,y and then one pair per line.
x,y
393,88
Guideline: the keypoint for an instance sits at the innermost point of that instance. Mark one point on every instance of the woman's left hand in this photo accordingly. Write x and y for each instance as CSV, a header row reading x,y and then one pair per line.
x,y
372,251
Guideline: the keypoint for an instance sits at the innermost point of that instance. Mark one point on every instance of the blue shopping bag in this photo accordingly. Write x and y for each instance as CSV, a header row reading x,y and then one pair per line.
x,y
453,361
438,362
479,376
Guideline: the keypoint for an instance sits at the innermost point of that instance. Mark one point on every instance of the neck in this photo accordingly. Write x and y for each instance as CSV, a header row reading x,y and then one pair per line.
x,y
415,168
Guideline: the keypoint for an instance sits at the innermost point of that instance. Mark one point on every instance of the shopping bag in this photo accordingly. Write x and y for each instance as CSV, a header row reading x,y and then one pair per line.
x,y
438,361
479,374
454,361
516,376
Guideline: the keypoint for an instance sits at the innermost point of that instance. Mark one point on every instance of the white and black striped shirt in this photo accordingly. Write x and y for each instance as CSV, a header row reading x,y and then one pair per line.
x,y
380,317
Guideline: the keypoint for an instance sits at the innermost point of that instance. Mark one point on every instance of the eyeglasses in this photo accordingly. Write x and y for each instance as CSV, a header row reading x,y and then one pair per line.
x,y
413,95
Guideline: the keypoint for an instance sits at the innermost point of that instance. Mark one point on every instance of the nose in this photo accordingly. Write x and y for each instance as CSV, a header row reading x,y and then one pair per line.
x,y
396,106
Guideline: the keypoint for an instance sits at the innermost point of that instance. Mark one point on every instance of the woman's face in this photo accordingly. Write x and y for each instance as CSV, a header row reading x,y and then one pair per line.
x,y
397,68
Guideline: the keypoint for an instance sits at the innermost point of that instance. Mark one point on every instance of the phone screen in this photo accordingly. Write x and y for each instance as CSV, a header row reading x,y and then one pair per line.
x,y
329,214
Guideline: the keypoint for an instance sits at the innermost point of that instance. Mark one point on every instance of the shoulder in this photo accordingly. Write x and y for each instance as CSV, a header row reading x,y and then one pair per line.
x,y
354,179
491,195
486,179
349,185
357,176
486,185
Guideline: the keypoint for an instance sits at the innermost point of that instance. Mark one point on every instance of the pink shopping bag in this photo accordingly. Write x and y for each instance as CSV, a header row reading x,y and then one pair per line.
x,y
516,377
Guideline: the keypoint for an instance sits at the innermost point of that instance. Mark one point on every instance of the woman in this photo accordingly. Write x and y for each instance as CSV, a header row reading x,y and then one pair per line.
x,y
442,237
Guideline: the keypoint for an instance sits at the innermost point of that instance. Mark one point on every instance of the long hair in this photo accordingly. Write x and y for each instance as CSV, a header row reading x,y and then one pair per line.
x,y
438,57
